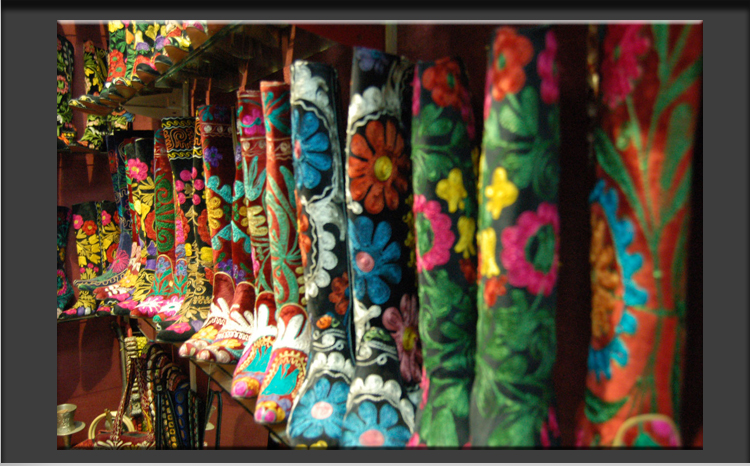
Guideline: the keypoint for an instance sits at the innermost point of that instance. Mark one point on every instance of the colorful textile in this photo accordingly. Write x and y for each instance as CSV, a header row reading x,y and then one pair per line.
x,y
651,79
445,215
64,289
518,238
318,412
219,171
94,73
65,67
381,402
260,325
288,363
196,253
89,256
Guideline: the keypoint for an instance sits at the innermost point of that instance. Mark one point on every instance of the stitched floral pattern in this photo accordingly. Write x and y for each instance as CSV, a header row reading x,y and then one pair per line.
x,y
518,230
380,408
321,214
445,209
288,362
651,92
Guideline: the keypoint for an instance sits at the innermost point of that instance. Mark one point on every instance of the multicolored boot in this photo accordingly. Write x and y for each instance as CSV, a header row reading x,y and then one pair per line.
x,y
445,218
651,84
219,172
260,324
64,290
89,256
198,252
94,74
65,66
164,291
318,411
288,364
518,237
381,403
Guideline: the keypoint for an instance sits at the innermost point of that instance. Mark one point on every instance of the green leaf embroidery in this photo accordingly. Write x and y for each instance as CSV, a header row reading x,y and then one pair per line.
x,y
672,206
678,142
445,435
661,39
611,162
598,410
679,85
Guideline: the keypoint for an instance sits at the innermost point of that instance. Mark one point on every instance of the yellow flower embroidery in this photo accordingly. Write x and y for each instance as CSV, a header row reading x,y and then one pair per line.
x,y
452,190
487,242
115,25
214,212
188,249
152,31
466,227
501,193
207,254
257,218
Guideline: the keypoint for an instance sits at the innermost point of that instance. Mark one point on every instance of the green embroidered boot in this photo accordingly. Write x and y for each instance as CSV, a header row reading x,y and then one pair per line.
x,y
94,74
64,289
89,256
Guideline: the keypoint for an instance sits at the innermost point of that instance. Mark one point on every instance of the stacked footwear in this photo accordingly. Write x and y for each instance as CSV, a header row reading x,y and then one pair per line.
x,y
64,289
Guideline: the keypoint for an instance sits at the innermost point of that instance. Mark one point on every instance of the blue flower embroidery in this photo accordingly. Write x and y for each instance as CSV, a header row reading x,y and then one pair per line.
x,y
320,410
310,150
362,428
212,156
374,260
622,235
369,59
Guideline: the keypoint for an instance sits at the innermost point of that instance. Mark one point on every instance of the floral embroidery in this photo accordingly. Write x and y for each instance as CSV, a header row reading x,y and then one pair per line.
x,y
340,293
512,52
443,81
370,428
369,59
311,149
403,327
89,227
547,68
530,250
501,193
494,287
321,410
375,259
487,241
465,244
434,235
378,170
452,190
619,69
212,156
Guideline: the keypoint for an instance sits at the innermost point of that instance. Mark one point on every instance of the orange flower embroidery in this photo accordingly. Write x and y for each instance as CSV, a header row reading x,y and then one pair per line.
x,y
443,80
510,53
324,322
379,168
304,238
339,295
89,227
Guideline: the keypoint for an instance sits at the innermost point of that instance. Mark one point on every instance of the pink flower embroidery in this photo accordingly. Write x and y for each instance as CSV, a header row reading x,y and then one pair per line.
x,y
439,225
77,222
185,175
137,170
547,69
198,184
179,186
106,218
530,250
416,95
181,327
181,200
252,124
196,199
620,69
403,327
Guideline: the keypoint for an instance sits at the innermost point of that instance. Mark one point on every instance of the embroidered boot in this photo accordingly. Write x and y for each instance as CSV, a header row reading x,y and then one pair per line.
x,y
122,289
116,148
229,343
381,403
142,170
518,239
94,74
65,66
318,411
445,227
89,256
260,324
198,252
640,217
64,289
288,364
219,171
164,290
